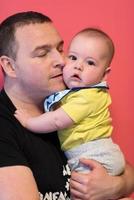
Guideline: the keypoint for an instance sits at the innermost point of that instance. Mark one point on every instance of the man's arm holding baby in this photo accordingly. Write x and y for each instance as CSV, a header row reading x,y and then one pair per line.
x,y
99,185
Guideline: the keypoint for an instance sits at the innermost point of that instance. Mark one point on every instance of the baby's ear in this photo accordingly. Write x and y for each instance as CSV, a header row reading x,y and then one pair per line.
x,y
7,65
107,70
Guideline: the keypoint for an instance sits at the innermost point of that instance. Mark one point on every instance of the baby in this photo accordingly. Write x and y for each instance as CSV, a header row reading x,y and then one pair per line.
x,y
81,113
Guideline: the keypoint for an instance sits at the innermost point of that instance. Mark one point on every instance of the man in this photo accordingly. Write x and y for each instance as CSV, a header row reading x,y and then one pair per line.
x,y
32,167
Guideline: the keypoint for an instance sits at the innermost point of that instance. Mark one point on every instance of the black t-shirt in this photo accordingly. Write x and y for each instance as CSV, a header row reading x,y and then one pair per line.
x,y
40,152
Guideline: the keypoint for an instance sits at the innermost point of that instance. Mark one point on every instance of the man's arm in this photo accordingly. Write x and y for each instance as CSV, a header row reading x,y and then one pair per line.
x,y
128,179
98,185
17,183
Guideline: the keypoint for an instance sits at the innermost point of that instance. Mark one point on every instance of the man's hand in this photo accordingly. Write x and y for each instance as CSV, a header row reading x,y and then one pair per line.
x,y
95,185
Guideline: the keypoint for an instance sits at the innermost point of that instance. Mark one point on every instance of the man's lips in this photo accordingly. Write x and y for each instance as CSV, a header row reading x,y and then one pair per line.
x,y
57,76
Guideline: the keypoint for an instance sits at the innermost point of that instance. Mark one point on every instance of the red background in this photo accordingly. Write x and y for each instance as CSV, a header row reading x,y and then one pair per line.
x,y
116,18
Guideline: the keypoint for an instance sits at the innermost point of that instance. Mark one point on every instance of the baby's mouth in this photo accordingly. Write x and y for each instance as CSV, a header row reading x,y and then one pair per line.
x,y
76,77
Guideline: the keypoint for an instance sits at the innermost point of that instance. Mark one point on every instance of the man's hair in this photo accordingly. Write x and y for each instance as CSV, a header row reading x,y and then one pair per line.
x,y
8,44
95,32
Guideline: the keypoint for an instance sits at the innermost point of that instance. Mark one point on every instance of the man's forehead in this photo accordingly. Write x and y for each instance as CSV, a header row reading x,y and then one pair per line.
x,y
37,30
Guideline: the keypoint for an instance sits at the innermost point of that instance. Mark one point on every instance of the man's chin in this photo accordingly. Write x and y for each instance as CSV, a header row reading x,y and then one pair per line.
x,y
58,87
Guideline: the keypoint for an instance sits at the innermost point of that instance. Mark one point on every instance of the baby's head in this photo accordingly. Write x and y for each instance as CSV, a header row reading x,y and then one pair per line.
x,y
89,57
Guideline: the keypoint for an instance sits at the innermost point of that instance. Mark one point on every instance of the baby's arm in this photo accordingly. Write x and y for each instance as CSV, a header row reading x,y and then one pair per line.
x,y
45,123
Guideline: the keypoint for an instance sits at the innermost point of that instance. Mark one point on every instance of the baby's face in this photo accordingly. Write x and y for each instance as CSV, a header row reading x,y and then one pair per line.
x,y
87,61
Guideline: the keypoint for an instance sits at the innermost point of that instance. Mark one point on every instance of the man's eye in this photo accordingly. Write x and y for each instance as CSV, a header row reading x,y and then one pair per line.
x,y
90,62
42,55
72,57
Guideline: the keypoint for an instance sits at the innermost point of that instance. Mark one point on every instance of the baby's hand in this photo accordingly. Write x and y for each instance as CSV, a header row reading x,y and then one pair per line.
x,y
22,116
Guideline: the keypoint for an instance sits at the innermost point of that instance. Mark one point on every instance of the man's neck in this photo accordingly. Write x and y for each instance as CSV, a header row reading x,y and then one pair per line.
x,y
22,100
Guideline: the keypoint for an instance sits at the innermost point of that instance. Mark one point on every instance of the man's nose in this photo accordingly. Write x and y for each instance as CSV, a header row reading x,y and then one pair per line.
x,y
59,59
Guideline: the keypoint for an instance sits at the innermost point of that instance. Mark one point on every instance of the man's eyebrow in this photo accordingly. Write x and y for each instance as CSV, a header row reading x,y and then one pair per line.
x,y
41,48
46,47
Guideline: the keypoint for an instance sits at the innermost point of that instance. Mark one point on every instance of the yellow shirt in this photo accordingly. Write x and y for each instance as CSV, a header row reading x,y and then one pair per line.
x,y
88,108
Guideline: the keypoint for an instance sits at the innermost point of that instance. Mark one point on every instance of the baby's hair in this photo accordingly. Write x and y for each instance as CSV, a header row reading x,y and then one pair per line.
x,y
95,32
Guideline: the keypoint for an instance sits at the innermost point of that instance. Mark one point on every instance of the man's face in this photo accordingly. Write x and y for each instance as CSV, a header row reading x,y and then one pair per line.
x,y
39,59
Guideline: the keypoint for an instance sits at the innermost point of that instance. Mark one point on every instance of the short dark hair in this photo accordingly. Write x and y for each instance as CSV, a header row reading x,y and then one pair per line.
x,y
96,32
8,44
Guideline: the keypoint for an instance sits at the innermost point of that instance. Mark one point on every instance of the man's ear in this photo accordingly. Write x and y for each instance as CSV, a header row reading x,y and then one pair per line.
x,y
8,66
108,69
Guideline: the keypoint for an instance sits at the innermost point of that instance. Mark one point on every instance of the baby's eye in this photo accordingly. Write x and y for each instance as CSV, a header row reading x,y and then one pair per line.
x,y
72,57
90,62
